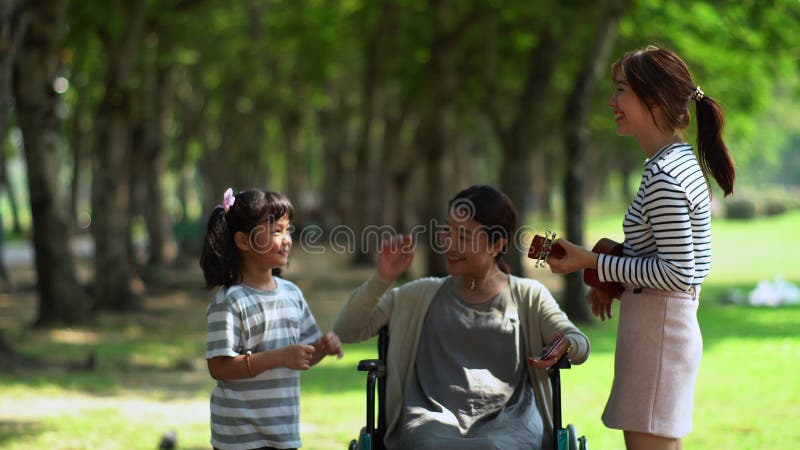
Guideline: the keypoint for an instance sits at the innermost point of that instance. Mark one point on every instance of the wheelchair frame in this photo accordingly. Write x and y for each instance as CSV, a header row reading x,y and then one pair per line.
x,y
371,436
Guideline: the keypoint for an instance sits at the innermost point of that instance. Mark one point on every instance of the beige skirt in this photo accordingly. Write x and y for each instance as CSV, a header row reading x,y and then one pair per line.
x,y
658,353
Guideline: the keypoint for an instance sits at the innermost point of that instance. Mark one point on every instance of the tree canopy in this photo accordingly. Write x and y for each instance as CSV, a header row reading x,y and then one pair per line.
x,y
364,112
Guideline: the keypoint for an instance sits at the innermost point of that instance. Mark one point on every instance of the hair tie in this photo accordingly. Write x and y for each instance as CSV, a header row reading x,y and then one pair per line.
x,y
228,200
697,95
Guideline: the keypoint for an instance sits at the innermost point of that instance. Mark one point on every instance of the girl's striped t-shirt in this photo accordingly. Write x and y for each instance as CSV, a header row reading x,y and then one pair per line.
x,y
263,411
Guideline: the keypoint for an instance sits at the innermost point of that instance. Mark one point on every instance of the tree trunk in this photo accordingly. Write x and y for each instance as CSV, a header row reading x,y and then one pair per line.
x,y
363,171
437,116
110,187
5,276
291,126
543,185
365,176
80,143
335,144
13,24
8,356
393,165
111,208
136,166
218,172
16,224
189,111
161,244
81,146
575,142
434,206
61,298
518,139
252,129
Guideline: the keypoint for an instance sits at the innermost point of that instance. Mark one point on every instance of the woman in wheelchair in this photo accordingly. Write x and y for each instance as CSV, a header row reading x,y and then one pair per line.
x,y
461,365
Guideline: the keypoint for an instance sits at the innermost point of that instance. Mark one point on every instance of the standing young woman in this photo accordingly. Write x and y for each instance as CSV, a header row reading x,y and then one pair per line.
x,y
667,248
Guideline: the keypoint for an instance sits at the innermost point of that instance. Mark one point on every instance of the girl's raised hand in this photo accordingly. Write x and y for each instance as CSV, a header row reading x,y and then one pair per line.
x,y
395,256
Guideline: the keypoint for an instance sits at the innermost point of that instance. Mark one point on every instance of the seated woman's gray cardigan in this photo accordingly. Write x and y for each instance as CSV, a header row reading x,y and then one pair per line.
x,y
370,307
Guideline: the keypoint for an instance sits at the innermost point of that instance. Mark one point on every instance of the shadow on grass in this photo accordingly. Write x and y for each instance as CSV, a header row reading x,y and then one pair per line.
x,y
121,376
15,430
155,383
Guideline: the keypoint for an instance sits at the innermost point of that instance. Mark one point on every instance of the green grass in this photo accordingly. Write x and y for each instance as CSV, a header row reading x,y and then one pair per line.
x,y
151,377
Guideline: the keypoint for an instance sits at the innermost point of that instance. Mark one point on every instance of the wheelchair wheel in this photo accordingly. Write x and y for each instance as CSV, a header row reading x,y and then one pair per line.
x,y
364,441
572,436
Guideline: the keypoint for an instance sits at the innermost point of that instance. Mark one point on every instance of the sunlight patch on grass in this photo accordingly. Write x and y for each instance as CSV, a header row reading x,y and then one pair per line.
x,y
73,421
71,336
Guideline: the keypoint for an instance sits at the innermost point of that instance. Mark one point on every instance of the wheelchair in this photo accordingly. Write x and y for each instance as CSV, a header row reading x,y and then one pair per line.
x,y
371,435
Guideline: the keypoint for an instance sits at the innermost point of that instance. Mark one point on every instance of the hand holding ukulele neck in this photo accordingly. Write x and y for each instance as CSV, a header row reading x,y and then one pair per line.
x,y
566,257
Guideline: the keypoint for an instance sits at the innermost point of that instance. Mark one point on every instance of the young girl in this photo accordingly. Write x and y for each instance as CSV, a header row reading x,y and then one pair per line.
x,y
667,248
260,329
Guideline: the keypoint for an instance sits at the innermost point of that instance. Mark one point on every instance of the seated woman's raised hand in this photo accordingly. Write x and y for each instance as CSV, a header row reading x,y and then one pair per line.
x,y
395,256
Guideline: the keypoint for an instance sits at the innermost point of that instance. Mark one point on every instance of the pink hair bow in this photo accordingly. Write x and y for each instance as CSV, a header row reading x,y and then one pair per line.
x,y
228,199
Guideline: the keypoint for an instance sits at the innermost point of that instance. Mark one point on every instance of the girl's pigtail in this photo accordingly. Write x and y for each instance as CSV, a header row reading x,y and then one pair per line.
x,y
714,156
219,257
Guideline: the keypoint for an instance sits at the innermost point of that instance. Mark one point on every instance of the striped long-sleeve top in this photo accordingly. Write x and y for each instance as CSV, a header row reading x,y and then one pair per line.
x,y
667,227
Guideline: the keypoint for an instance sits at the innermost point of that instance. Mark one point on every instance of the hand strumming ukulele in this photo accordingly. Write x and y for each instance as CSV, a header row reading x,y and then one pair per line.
x,y
544,246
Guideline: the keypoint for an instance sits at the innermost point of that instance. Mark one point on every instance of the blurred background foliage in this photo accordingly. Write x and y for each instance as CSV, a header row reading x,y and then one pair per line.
x,y
124,121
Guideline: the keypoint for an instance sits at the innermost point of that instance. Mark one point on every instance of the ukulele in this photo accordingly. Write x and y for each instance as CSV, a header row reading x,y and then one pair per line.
x,y
544,246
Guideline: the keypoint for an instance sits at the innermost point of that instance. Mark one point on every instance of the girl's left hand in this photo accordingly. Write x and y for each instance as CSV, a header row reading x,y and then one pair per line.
x,y
575,258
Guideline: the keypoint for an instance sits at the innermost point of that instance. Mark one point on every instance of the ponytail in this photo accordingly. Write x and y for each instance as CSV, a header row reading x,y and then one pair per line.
x,y
220,259
714,156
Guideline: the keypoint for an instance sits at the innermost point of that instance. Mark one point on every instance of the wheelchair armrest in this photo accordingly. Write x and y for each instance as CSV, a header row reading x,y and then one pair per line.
x,y
564,362
554,373
368,365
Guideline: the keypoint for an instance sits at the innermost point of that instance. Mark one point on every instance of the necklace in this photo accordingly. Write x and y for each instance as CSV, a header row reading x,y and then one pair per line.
x,y
473,284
